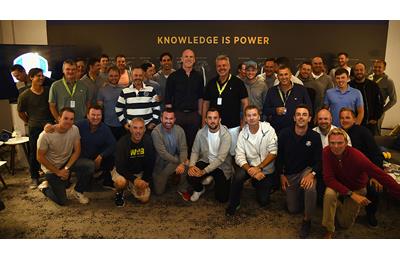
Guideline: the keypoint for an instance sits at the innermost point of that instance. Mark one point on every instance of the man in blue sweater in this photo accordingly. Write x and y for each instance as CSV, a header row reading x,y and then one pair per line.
x,y
97,144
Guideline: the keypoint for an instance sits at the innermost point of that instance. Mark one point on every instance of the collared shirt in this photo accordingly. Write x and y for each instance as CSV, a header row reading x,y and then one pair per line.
x,y
335,99
109,95
182,91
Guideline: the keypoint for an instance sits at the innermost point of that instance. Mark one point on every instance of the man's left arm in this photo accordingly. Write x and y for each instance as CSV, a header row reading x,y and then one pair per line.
x,y
110,142
378,103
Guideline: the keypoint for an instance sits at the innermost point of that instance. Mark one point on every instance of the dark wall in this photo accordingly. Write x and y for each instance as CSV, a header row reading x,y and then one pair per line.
x,y
298,40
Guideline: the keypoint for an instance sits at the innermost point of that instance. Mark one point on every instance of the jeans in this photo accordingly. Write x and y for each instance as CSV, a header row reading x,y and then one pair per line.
x,y
263,188
84,169
298,198
221,183
34,165
162,171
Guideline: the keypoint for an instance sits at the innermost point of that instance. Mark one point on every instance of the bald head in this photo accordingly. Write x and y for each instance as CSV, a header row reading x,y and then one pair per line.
x,y
324,120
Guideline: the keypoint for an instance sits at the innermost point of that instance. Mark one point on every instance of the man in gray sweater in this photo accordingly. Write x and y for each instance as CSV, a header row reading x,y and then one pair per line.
x,y
210,157
170,143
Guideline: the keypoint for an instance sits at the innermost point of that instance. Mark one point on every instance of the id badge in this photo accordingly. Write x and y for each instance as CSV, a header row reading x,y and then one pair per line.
x,y
72,103
219,101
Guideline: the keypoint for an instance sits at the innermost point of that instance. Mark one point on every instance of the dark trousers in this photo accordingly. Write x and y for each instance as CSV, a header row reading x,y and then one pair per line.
x,y
34,165
56,190
107,164
221,188
190,122
373,196
373,128
263,188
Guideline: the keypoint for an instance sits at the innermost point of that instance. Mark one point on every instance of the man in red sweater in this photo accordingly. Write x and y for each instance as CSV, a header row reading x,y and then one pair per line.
x,y
346,171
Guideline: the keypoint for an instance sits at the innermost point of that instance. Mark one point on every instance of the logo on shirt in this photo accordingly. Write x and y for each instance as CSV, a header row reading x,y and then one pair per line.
x,y
308,143
137,152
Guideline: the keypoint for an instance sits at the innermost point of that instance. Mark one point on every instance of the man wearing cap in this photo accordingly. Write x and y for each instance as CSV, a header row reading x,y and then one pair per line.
x,y
228,94
256,87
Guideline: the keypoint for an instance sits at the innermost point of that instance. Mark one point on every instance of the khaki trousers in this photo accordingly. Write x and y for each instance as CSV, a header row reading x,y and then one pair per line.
x,y
345,212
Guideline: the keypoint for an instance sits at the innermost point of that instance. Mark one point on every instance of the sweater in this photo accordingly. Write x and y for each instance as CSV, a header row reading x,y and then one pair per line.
x,y
254,154
100,142
372,97
132,158
351,172
159,141
297,153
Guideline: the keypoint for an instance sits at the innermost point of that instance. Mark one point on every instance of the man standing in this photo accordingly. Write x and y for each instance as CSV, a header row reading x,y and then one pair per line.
x,y
184,94
256,87
125,76
97,144
107,98
134,163
58,152
210,157
104,64
386,86
149,71
343,63
298,163
241,71
170,143
162,75
269,73
322,82
281,100
255,153
138,100
228,94
346,173
372,97
33,109
19,73
308,82
68,92
344,96
92,80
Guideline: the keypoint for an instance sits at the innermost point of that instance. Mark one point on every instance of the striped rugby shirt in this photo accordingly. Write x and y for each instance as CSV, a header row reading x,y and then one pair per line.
x,y
142,103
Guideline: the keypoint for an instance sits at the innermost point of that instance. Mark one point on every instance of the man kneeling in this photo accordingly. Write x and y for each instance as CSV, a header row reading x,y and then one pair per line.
x,y
134,162
346,172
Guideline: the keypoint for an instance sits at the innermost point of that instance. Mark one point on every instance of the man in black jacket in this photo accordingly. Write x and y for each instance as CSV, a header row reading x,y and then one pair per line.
x,y
372,97
134,163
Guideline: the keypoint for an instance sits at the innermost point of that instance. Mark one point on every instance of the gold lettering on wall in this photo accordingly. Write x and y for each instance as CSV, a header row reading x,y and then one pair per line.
x,y
212,40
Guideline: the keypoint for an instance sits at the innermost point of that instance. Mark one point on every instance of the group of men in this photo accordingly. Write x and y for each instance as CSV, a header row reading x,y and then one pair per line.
x,y
141,129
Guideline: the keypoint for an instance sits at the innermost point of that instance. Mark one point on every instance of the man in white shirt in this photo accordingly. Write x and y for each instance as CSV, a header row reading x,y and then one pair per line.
x,y
256,151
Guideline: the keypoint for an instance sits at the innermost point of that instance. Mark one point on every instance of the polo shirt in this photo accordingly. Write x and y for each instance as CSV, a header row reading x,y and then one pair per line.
x,y
231,97
59,95
336,100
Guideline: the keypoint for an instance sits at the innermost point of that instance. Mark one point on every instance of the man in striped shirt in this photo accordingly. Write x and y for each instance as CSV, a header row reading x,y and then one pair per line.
x,y
138,100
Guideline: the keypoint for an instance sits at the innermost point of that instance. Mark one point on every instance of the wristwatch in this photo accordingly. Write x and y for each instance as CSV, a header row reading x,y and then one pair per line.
x,y
349,193
66,167
313,173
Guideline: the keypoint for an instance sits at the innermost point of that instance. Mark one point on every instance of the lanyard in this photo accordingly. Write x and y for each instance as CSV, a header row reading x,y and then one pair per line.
x,y
378,80
67,88
282,95
220,90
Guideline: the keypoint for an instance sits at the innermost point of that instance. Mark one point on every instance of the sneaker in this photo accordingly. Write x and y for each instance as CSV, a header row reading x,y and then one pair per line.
x,y
119,199
185,195
305,229
34,183
80,197
207,180
44,185
196,195
230,211
372,221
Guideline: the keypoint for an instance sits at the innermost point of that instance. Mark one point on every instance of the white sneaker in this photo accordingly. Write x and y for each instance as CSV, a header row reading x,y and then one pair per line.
x,y
80,197
196,195
43,185
207,180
